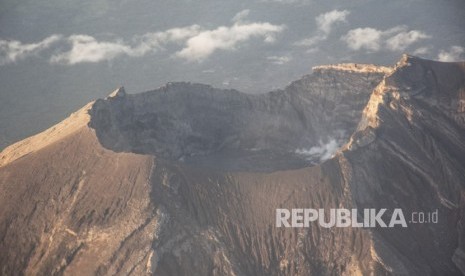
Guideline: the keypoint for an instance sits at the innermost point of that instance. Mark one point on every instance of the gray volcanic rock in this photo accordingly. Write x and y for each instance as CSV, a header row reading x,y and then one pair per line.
x,y
206,126
153,183
414,160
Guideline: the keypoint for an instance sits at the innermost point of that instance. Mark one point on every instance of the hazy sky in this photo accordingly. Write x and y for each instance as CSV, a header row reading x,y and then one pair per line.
x,y
57,55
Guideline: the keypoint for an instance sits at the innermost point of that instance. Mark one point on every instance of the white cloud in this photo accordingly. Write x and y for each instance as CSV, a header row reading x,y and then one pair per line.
x,y
207,42
240,16
85,48
455,53
325,23
421,51
13,50
404,39
197,43
280,60
394,39
170,35
311,41
363,38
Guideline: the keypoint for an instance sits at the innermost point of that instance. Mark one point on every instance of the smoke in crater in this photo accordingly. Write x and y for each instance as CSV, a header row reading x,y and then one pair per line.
x,y
325,148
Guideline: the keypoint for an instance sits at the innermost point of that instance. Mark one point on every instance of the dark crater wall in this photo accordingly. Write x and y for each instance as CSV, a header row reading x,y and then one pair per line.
x,y
234,131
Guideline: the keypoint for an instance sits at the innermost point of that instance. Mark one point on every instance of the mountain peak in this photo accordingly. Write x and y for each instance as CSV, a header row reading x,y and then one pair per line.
x,y
118,93
415,87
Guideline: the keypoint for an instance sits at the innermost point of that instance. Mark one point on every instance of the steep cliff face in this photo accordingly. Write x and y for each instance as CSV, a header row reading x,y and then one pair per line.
x,y
409,153
186,179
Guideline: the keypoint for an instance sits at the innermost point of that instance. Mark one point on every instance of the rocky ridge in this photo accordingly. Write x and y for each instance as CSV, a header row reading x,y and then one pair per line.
x,y
202,125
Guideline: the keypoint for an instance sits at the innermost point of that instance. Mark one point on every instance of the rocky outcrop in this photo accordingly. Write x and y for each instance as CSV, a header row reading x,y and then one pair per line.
x,y
353,67
153,183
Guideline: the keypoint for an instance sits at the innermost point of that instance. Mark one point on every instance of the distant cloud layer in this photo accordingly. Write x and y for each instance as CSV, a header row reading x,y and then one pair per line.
x,y
13,50
455,53
205,43
325,23
197,43
395,39
86,48
279,60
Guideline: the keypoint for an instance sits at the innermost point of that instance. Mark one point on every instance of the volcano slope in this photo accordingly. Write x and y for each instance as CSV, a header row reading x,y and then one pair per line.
x,y
186,179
